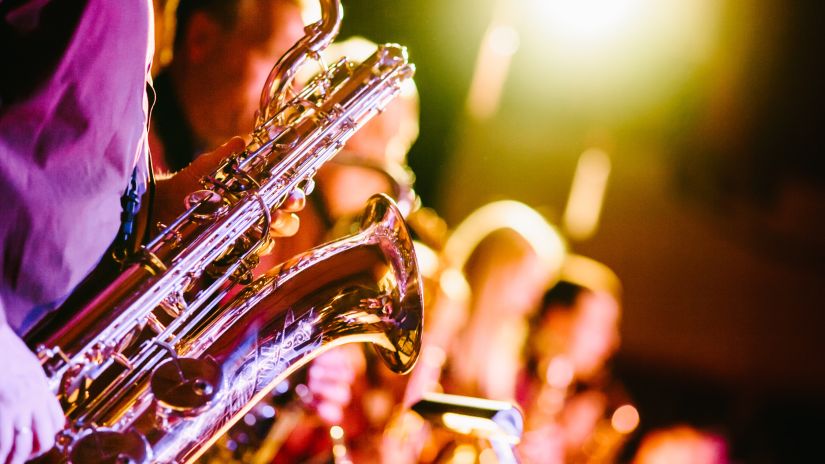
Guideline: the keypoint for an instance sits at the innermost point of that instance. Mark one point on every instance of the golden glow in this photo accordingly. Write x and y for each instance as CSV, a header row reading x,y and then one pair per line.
x,y
625,419
584,205
601,55
612,56
590,22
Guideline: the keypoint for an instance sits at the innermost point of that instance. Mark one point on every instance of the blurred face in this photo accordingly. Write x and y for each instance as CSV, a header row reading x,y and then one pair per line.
x,y
595,335
587,334
384,139
346,189
517,287
238,64
507,288
387,137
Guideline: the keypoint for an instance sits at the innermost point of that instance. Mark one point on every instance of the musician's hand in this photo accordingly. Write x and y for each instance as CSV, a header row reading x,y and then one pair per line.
x,y
330,381
171,191
30,415
285,222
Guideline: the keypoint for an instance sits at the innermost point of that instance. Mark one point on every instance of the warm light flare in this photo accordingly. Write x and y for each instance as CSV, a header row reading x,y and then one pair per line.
x,y
584,205
499,44
336,432
625,419
611,57
590,22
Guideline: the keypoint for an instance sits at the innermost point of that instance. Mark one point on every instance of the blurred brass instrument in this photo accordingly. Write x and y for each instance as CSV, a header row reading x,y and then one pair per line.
x,y
158,364
498,422
449,298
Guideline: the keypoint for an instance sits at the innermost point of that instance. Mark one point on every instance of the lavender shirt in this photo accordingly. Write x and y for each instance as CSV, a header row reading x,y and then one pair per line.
x,y
73,113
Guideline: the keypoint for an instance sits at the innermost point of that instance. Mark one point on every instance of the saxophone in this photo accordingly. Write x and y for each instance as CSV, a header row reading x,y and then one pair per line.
x,y
158,364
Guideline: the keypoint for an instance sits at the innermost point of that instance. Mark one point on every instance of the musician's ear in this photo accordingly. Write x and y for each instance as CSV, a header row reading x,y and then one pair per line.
x,y
201,36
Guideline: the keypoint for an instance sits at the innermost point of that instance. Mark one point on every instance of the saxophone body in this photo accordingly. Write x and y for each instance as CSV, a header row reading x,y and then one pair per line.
x,y
158,363
362,288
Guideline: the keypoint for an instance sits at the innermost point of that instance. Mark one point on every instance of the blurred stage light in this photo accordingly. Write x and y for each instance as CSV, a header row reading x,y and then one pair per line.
x,y
499,43
599,57
584,205
590,22
611,57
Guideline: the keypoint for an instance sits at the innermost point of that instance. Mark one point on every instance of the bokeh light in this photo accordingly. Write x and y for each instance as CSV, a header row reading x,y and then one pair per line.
x,y
625,419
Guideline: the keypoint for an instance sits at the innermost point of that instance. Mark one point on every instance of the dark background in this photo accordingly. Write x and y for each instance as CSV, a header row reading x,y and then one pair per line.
x,y
714,215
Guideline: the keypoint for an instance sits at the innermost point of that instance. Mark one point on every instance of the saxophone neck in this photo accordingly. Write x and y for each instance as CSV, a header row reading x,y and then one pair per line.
x,y
318,37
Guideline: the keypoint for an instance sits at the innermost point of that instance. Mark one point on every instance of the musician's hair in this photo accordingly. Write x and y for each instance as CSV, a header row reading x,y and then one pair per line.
x,y
563,293
224,12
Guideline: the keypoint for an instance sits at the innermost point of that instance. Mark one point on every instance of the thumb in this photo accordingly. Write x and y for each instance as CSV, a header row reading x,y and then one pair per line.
x,y
171,191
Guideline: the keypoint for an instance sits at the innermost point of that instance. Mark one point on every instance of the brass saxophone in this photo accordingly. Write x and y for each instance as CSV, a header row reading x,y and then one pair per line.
x,y
157,365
